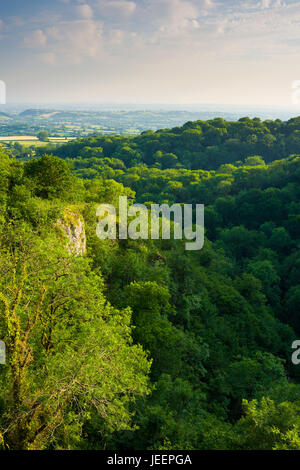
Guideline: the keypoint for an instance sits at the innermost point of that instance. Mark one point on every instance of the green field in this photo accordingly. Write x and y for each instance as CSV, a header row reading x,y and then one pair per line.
x,y
28,141
25,143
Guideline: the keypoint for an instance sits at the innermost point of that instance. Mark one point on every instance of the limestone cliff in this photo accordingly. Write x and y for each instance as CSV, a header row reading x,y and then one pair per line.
x,y
73,226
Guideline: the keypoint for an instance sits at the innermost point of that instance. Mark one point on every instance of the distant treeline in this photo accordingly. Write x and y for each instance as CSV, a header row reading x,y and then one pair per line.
x,y
196,145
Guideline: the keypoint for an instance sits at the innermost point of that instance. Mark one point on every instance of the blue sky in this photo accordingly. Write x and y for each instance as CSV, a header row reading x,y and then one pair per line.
x,y
150,51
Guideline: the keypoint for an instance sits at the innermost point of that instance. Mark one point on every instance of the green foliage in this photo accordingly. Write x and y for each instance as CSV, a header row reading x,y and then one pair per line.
x,y
197,145
43,136
51,178
70,354
141,344
269,426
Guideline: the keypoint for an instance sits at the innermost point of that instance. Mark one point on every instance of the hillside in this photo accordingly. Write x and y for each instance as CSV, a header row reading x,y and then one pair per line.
x,y
140,344
196,145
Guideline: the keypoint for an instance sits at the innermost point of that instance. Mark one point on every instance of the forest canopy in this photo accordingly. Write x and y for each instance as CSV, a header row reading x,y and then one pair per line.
x,y
140,344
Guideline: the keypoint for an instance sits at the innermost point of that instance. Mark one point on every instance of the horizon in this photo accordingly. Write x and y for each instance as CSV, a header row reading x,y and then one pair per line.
x,y
201,111
145,103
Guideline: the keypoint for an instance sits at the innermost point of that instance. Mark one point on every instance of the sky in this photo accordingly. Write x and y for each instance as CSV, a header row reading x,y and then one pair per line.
x,y
151,51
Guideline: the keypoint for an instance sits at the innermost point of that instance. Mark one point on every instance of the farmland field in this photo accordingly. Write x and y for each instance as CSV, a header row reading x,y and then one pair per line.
x,y
18,138
28,140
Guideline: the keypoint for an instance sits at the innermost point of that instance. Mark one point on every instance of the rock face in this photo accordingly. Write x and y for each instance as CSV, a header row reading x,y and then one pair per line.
x,y
73,227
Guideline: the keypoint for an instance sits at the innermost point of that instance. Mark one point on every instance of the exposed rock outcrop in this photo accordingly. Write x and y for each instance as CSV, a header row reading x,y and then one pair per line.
x,y
73,226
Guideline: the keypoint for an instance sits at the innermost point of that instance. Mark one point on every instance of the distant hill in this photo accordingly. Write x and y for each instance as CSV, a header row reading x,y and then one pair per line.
x,y
4,116
34,112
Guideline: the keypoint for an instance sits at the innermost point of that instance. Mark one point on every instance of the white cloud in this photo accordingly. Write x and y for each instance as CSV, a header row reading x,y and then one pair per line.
x,y
171,16
116,8
84,11
47,57
170,48
68,42
207,3
260,34
270,4
36,38
116,37
265,3
175,17
76,40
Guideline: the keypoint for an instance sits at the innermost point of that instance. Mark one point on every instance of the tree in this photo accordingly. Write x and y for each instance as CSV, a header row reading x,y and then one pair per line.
x,y
254,161
43,136
269,426
51,177
69,353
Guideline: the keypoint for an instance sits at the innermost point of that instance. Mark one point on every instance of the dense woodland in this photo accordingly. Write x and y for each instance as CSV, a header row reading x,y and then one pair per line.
x,y
141,344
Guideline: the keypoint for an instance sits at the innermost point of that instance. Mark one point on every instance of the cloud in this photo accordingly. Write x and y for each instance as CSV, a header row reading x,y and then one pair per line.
x,y
270,4
84,11
265,3
172,17
119,38
36,38
76,40
68,42
116,37
116,8
260,34
47,57
207,3
166,49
